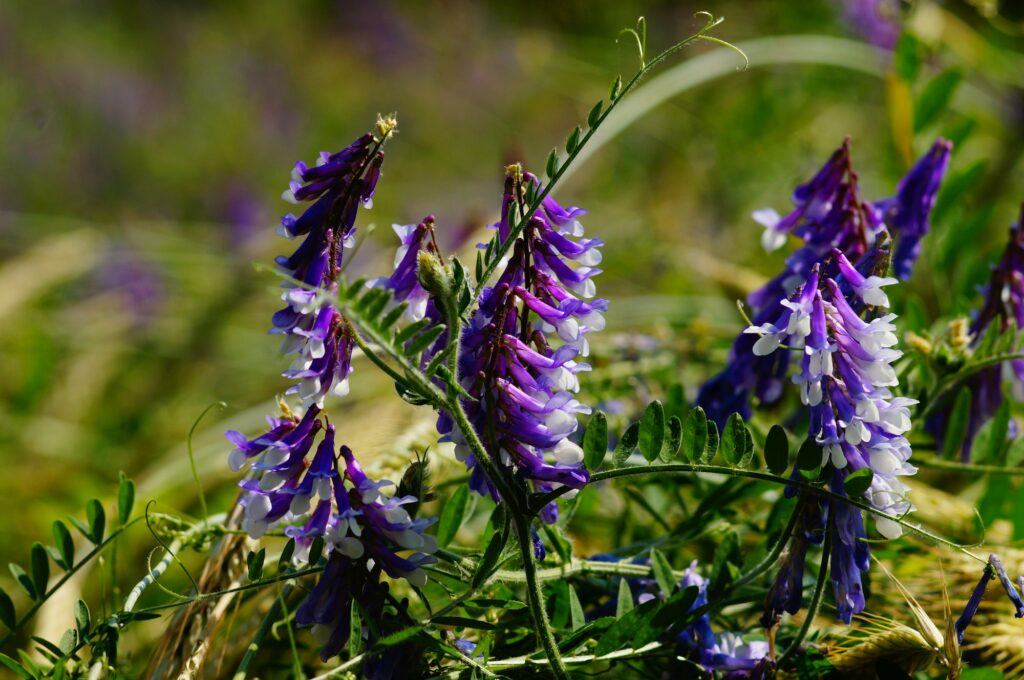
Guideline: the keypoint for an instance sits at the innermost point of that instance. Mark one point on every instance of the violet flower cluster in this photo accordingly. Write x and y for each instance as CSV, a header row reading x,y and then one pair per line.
x,y
725,653
521,350
298,478
1004,307
828,214
846,378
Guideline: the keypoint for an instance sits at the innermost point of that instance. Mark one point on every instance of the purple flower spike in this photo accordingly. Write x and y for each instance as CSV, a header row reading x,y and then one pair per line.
x,y
829,217
521,350
845,379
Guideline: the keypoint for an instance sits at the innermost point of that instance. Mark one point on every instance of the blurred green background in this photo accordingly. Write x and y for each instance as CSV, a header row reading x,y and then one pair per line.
x,y
144,147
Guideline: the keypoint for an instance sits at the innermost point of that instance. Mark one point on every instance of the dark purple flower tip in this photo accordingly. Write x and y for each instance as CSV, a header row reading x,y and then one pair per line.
x,y
1011,591
908,214
973,602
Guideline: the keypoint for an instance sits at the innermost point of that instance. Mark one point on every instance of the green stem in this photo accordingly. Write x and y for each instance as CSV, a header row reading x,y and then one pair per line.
x,y
773,555
518,509
535,600
819,588
268,621
967,468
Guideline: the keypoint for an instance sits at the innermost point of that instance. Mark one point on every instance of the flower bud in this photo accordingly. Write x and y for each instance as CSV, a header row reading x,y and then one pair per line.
x,y
435,277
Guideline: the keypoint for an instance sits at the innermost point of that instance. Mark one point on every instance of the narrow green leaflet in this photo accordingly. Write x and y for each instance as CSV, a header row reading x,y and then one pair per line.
x,y
8,615
125,499
82,618
627,444
65,544
674,440
23,580
490,558
808,458
624,603
254,562
735,440
935,98
97,520
40,564
576,615
695,435
662,572
711,448
652,430
452,514
595,441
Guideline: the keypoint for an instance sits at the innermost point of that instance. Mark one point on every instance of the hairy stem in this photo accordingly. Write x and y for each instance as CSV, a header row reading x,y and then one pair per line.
x,y
535,599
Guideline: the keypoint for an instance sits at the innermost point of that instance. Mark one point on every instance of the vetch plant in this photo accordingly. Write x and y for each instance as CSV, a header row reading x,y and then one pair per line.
x,y
472,563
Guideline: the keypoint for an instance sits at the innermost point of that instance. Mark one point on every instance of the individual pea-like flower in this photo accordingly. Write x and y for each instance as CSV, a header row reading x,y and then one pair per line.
x,y
1002,309
908,213
521,350
994,568
828,215
404,282
845,378
369,533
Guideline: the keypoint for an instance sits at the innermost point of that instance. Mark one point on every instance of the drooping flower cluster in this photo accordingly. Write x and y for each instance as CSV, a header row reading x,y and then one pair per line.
x,y
1004,307
725,653
298,477
828,214
845,378
521,385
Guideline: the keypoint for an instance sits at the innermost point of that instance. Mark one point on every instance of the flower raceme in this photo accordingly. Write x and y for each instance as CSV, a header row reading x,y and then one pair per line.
x,y
314,331
828,214
298,476
845,376
521,350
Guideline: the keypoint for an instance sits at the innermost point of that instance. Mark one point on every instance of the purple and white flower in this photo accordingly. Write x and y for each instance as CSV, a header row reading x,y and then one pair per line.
x,y
521,385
